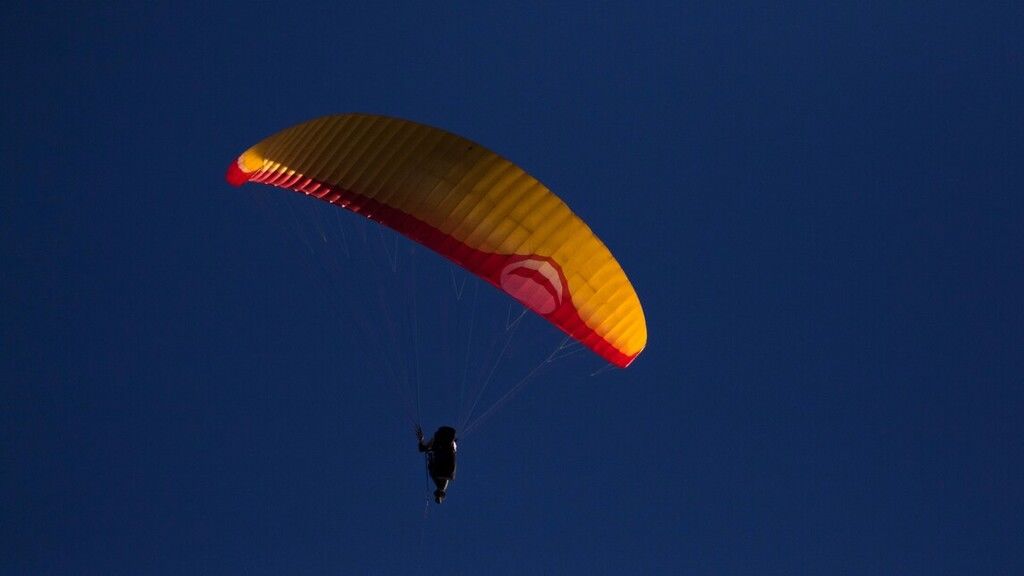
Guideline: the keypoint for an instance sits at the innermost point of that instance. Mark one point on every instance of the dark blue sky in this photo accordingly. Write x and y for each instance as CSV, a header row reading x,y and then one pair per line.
x,y
820,207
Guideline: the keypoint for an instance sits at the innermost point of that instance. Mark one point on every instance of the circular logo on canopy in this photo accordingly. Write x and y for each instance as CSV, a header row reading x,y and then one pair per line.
x,y
534,281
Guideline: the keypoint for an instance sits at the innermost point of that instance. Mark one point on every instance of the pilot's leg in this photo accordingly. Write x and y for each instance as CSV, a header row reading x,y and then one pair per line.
x,y
442,487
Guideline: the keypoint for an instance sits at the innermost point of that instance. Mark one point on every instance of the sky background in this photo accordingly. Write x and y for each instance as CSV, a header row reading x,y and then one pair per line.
x,y
819,205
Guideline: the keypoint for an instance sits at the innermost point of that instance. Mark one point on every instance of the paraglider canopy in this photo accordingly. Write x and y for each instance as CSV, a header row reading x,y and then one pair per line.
x,y
468,204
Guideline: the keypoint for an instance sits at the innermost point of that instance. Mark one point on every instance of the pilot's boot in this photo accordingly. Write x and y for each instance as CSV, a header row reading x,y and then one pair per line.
x,y
442,487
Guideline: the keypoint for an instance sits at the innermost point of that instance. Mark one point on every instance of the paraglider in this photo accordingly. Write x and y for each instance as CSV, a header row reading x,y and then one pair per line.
x,y
440,451
471,206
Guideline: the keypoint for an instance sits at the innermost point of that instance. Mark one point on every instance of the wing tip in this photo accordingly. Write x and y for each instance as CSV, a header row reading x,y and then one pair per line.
x,y
236,175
